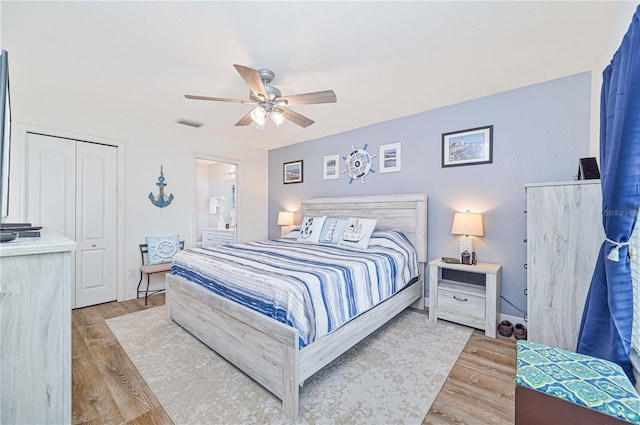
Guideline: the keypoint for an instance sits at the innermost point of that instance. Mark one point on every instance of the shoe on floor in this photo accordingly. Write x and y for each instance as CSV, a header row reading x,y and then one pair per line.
x,y
505,328
520,331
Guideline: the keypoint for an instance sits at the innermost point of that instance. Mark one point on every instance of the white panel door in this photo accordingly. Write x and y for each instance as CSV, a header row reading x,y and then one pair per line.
x,y
95,224
51,183
71,189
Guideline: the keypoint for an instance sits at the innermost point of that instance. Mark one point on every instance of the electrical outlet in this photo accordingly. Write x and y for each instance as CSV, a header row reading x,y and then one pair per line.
x,y
132,273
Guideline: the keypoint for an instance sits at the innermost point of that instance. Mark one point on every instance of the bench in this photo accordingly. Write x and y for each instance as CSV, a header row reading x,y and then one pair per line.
x,y
555,386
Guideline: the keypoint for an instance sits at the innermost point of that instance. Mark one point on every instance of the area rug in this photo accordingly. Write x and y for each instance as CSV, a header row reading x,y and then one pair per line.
x,y
393,376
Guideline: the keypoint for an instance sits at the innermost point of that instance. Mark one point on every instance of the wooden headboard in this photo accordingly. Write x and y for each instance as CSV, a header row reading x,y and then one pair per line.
x,y
405,213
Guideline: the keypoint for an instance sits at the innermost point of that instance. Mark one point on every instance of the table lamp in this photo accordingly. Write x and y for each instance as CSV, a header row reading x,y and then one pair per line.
x,y
285,220
467,224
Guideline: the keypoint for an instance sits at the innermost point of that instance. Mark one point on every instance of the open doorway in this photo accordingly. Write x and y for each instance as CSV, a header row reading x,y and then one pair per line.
x,y
216,202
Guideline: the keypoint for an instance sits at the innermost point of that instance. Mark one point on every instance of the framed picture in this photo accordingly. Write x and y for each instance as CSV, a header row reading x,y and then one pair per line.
x,y
330,167
292,172
390,158
468,147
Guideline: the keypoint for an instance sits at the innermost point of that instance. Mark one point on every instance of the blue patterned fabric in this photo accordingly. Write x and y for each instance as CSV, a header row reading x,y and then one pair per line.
x,y
315,288
584,380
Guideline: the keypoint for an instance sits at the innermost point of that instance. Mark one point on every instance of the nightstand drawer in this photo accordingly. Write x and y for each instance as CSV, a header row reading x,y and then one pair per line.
x,y
461,307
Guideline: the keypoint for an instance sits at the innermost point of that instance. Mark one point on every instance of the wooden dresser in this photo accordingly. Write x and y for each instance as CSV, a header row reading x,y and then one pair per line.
x,y
216,237
35,315
564,235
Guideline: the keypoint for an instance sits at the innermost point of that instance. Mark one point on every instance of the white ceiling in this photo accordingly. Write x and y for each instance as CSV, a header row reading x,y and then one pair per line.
x,y
383,59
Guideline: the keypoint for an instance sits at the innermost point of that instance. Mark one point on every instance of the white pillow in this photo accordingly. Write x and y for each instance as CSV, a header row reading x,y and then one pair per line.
x,y
358,232
310,229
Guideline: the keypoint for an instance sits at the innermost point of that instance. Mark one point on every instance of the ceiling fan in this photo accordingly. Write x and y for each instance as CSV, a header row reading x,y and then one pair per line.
x,y
269,100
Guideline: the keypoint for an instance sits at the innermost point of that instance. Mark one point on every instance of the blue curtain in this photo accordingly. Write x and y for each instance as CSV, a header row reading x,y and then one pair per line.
x,y
605,331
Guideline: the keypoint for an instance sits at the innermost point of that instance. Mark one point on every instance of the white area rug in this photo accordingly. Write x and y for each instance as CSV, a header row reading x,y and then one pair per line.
x,y
393,376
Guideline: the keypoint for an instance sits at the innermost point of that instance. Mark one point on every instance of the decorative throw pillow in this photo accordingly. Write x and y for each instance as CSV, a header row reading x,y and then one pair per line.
x,y
332,230
310,229
358,232
162,248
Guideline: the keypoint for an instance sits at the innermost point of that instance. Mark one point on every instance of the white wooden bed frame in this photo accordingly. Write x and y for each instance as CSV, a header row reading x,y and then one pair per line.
x,y
268,350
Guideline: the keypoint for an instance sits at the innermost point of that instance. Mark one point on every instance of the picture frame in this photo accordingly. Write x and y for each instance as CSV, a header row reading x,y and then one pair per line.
x,y
331,167
390,158
468,147
292,172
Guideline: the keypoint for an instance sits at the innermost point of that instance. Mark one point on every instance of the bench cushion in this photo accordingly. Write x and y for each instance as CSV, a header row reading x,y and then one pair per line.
x,y
577,378
156,268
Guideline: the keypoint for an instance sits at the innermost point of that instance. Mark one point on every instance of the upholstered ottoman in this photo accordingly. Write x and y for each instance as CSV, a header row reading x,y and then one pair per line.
x,y
555,386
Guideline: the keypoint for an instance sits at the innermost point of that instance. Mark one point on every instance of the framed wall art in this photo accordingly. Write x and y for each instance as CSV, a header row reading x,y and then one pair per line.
x,y
330,167
468,147
390,158
292,172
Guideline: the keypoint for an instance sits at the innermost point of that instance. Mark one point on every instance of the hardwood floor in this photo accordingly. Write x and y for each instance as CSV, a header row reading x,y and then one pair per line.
x,y
107,388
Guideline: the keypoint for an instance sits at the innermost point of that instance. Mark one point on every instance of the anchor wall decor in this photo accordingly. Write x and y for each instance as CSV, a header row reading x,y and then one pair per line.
x,y
161,200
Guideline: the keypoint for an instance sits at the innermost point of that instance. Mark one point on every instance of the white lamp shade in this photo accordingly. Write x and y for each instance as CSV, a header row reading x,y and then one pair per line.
x,y
467,223
285,218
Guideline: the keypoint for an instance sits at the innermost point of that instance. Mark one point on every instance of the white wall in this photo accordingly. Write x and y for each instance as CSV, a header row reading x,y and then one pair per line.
x,y
618,30
144,147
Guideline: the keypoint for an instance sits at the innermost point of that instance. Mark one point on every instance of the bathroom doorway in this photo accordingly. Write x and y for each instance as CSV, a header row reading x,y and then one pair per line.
x,y
216,202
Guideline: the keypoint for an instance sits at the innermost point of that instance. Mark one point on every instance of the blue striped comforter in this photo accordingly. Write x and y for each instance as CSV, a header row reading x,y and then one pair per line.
x,y
315,288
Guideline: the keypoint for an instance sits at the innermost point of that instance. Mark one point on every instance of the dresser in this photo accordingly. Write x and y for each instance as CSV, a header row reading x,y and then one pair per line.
x,y
216,237
564,235
35,317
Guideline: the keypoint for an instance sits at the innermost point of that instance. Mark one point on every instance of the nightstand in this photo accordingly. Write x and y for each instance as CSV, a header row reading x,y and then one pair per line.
x,y
470,302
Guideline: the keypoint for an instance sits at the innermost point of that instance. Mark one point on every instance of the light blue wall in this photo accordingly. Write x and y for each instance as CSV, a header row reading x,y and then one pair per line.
x,y
540,131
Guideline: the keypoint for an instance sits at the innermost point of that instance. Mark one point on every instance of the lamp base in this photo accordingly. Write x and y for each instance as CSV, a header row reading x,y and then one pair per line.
x,y
466,245
467,254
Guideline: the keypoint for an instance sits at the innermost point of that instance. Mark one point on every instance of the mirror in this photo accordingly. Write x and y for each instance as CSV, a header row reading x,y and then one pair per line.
x,y
216,201
229,203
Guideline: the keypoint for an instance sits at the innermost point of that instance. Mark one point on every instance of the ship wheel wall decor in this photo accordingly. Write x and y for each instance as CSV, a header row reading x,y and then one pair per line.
x,y
358,164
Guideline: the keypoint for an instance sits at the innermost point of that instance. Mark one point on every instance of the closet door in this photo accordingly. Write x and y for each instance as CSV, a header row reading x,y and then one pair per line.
x,y
51,183
71,189
95,224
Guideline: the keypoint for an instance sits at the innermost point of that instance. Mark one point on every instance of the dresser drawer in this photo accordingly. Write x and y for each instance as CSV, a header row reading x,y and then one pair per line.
x,y
461,307
213,237
227,237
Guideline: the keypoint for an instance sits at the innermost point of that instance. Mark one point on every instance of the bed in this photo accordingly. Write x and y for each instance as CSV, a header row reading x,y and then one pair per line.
x,y
275,354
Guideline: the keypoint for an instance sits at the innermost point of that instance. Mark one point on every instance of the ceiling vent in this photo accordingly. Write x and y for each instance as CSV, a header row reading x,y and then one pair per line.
x,y
194,124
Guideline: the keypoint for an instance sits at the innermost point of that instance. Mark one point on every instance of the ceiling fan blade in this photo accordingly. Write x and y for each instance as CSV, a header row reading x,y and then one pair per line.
x,y
326,96
218,99
253,80
246,120
296,118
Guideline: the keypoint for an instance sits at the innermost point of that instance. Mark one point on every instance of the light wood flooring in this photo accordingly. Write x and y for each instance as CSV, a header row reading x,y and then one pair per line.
x,y
107,388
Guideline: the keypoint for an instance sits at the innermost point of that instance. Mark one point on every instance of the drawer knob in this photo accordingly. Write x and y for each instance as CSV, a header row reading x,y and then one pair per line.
x,y
455,297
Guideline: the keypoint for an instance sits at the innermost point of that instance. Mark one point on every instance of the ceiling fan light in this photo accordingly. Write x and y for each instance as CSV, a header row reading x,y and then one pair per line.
x,y
259,116
277,118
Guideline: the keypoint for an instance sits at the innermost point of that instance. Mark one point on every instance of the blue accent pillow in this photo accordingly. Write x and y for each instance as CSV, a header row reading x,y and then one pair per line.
x,y
162,248
332,230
